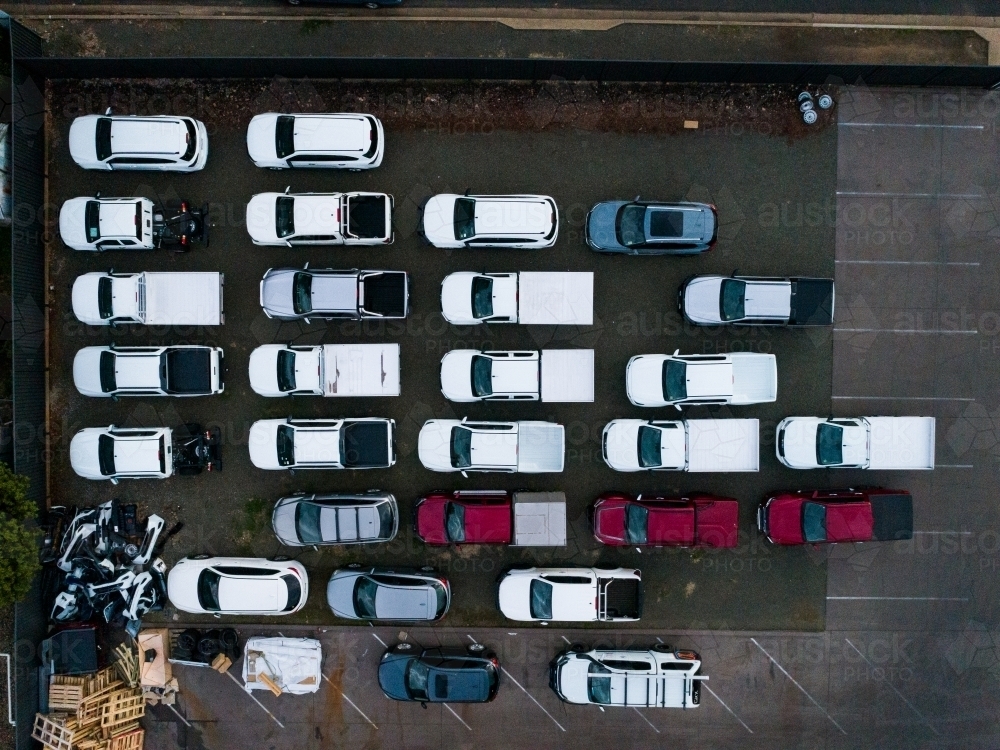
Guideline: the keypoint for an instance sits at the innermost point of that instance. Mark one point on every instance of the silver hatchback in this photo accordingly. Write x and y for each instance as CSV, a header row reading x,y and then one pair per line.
x,y
397,594
303,520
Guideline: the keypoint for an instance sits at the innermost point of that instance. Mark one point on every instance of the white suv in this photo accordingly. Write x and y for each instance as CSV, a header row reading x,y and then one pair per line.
x,y
514,221
338,141
161,142
107,223
122,453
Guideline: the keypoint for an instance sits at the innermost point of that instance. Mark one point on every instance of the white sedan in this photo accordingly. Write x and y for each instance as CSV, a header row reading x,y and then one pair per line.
x,y
237,586
503,221
316,141
97,223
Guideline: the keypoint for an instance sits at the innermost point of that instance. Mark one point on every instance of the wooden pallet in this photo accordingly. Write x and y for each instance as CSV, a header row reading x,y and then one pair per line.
x,y
91,706
123,707
51,733
65,697
130,740
102,679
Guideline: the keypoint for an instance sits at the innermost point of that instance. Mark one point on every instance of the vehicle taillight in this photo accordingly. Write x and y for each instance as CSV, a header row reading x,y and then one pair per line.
x,y
686,655
495,662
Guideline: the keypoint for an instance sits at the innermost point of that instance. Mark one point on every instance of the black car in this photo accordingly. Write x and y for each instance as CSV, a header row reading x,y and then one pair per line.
x,y
439,675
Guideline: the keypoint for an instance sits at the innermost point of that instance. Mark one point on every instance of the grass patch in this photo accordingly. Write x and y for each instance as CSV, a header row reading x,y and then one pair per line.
x,y
253,521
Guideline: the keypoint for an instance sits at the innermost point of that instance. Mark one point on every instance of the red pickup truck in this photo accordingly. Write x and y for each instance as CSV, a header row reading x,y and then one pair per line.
x,y
830,516
696,520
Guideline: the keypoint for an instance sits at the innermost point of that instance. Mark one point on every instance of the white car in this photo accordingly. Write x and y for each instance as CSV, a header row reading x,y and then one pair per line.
x,y
365,443
512,221
107,223
640,445
183,370
464,446
701,379
338,141
571,594
237,586
289,219
159,143
655,678
756,300
122,453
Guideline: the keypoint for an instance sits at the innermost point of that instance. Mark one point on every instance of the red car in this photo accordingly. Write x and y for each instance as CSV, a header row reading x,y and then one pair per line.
x,y
698,520
829,516
464,517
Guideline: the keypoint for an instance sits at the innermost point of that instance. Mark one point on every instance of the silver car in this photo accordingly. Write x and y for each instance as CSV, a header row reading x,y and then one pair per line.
x,y
302,294
402,594
302,520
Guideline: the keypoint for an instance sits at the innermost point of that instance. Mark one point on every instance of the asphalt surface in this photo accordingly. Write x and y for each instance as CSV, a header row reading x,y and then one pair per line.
x,y
572,142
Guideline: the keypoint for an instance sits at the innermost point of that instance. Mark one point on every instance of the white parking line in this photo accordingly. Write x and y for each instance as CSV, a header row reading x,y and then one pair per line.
x,y
852,194
566,639
903,330
898,598
910,263
645,719
230,675
375,636
954,466
471,638
966,533
902,697
712,693
908,125
353,704
179,716
901,398
795,682
532,698
457,716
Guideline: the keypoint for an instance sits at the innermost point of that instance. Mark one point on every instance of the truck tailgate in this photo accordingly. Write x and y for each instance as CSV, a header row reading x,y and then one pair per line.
x,y
556,298
568,375
540,447
901,443
361,369
723,444
192,298
539,519
755,378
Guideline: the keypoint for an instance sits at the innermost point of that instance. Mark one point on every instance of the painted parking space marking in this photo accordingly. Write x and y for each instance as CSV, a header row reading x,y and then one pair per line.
x,y
898,599
901,696
712,693
645,719
353,704
901,398
566,639
953,466
230,676
532,698
375,636
964,533
457,716
909,125
959,196
796,683
179,715
904,330
955,263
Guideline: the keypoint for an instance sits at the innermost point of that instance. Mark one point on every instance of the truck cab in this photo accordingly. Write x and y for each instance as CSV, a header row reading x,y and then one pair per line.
x,y
571,594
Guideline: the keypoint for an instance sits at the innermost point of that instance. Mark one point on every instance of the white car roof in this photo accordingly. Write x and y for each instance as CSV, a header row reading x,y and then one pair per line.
x,y
137,455
317,214
709,379
317,445
516,216
340,133
515,375
140,371
494,448
118,218
252,594
163,136
768,299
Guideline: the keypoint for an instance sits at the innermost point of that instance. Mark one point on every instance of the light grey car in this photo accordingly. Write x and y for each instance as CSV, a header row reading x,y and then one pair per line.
x,y
651,228
399,594
328,294
302,520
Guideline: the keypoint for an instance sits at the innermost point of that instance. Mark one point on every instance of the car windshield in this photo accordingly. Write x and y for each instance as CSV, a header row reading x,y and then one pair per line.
x,y
650,455
454,522
92,221
416,679
482,376
541,600
208,590
635,524
286,370
813,522
284,216
365,591
286,445
482,297
104,303
630,227
461,447
302,293
385,521
294,592
731,299
307,523
106,454
284,136
103,138
107,372
442,599
829,444
674,380
465,218
598,687
192,141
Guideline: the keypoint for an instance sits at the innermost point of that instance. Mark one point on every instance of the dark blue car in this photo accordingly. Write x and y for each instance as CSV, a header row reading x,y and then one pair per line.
x,y
651,228
439,675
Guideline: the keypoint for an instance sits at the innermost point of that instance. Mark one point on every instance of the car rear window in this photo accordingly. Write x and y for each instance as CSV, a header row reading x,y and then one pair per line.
x,y
482,297
92,221
284,136
663,223
106,454
441,686
465,218
243,570
302,293
674,380
105,306
386,521
650,455
373,146
829,444
814,522
731,299
208,590
540,605
461,447
107,372
192,141
307,523
454,522
442,599
482,376
284,216
636,526
286,371
103,138
294,592
598,687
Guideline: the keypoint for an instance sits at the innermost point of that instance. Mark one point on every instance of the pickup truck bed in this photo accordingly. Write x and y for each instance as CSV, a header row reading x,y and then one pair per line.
x,y
385,294
723,444
366,444
812,302
189,371
753,378
622,598
540,447
366,216
901,442
181,298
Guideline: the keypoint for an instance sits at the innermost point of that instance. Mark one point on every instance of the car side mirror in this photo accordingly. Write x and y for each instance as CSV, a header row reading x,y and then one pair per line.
x,y
307,320
678,407
114,480
465,474
288,189
735,271
305,266
107,111
423,704
467,191
676,352
97,194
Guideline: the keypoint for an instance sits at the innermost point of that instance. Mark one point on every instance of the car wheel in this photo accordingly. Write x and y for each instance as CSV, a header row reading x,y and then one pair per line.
x,y
402,647
354,566
662,648
279,558
476,648
198,557
578,648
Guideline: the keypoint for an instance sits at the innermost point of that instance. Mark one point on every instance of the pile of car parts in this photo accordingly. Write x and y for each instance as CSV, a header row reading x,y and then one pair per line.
x,y
105,565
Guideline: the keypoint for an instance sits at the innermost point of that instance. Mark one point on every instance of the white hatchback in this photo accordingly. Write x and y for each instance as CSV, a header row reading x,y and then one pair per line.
x,y
316,141
238,586
513,221
107,223
160,143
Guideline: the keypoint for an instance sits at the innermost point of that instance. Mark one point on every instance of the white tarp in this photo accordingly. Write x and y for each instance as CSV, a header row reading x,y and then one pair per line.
x,y
293,664
565,298
541,447
723,444
901,442
568,375
539,519
184,298
361,369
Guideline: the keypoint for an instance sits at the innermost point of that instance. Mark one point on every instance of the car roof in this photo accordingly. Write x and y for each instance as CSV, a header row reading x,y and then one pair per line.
x,y
349,523
712,379
332,133
334,292
517,216
140,370
515,375
148,135
137,455
414,602
118,218
459,683
678,223
317,446
316,214
250,594
767,299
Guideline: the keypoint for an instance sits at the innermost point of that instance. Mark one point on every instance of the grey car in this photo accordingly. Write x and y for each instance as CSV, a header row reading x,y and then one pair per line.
x,y
302,520
391,594
651,228
439,675
328,294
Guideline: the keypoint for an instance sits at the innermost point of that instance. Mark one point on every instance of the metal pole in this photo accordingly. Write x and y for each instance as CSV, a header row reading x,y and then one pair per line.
x,y
10,715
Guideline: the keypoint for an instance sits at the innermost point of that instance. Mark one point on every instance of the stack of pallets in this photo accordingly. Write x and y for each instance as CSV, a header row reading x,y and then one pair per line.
x,y
91,713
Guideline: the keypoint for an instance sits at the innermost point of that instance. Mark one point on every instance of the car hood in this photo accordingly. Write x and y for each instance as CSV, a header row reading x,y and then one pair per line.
x,y
83,139
572,679
439,219
800,442
87,371
85,299
263,443
276,292
456,374
72,228
622,441
701,299
182,586
456,298
601,225
392,675
609,522
260,137
430,520
260,218
514,596
644,380
83,453
264,369
434,444
283,522
340,593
